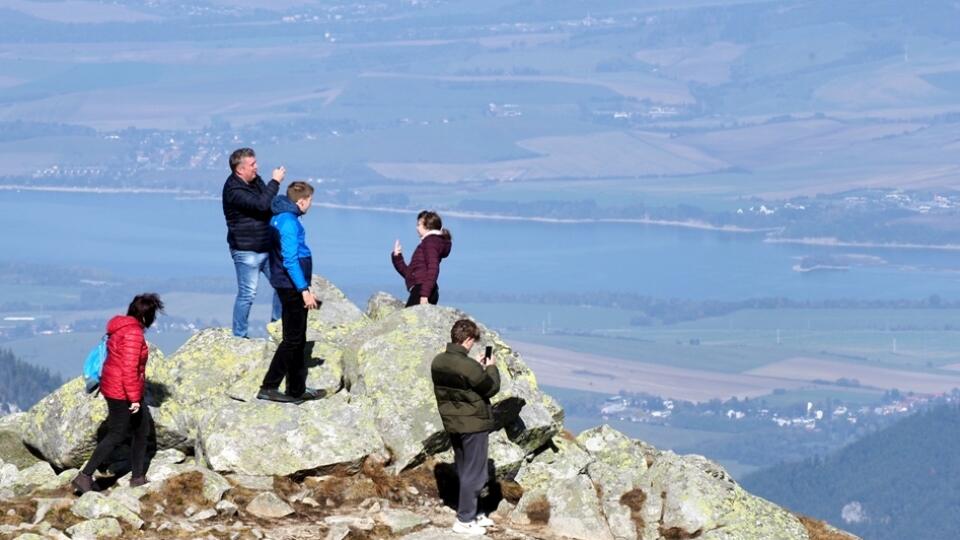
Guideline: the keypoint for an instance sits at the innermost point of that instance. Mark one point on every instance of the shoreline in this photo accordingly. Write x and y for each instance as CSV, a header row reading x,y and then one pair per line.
x,y
205,196
834,242
185,194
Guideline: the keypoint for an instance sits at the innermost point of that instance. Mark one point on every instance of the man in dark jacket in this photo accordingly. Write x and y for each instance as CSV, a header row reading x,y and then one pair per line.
x,y
246,207
463,387
291,266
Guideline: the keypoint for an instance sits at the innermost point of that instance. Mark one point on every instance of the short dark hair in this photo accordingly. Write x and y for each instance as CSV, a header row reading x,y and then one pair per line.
x,y
299,190
431,220
463,330
237,156
144,308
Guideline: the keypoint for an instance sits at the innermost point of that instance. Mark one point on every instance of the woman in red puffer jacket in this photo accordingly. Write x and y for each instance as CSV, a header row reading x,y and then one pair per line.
x,y
122,383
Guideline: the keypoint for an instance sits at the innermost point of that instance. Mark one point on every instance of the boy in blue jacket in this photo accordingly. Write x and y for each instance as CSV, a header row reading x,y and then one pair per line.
x,y
291,266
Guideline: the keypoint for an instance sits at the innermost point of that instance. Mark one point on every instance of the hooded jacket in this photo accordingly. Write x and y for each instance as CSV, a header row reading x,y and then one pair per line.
x,y
291,263
246,207
124,371
463,389
424,267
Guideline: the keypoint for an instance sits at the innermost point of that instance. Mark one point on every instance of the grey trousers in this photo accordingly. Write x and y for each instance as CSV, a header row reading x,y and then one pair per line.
x,y
470,459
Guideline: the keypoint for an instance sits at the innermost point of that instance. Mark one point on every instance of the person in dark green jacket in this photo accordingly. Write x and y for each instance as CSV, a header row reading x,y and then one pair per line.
x,y
463,386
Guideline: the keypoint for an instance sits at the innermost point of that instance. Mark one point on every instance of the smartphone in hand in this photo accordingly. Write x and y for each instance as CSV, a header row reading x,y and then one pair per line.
x,y
488,353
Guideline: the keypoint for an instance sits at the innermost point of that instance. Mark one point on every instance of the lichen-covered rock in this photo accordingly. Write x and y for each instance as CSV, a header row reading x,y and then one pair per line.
x,y
507,457
573,507
268,505
324,372
40,475
565,459
336,318
265,438
210,360
381,304
12,449
694,497
95,528
617,468
63,426
95,505
401,521
389,361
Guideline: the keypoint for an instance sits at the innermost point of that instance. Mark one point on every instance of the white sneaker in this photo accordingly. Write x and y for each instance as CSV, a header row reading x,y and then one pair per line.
x,y
483,521
471,528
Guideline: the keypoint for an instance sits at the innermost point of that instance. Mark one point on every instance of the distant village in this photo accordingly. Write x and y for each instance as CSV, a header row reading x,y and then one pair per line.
x,y
810,417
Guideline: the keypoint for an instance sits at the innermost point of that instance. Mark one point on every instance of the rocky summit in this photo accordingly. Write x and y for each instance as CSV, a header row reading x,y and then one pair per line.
x,y
368,460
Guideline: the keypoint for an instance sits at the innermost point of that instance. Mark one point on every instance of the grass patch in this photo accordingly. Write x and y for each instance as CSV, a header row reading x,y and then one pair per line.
x,y
179,493
538,511
634,500
818,530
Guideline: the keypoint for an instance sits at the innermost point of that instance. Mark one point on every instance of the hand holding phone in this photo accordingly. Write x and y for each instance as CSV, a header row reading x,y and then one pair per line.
x,y
488,355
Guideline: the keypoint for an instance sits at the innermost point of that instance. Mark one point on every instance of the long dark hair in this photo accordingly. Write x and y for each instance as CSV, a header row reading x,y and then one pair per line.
x,y
144,308
432,222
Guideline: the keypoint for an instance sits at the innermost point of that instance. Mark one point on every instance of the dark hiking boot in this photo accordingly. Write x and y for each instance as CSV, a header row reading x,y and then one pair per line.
x,y
273,394
138,481
312,393
83,483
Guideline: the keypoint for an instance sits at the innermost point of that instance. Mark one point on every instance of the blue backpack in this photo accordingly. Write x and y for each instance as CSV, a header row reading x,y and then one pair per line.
x,y
93,365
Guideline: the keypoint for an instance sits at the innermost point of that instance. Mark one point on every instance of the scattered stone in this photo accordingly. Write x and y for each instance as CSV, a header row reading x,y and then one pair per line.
x,y
95,505
353,522
253,482
12,449
338,532
402,521
268,505
95,528
203,515
227,508
310,501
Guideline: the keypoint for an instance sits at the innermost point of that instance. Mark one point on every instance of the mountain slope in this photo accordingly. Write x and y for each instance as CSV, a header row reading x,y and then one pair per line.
x,y
898,483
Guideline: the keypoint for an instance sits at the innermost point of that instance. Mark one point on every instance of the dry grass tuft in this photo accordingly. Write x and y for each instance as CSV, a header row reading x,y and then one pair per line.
x,y
511,491
818,530
179,493
568,435
16,512
634,500
538,511
676,533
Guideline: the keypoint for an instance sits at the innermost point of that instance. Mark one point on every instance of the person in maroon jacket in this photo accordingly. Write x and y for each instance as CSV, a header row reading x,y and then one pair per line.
x,y
424,268
122,383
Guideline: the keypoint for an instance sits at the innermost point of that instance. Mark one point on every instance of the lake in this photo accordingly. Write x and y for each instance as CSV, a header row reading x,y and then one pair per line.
x,y
160,235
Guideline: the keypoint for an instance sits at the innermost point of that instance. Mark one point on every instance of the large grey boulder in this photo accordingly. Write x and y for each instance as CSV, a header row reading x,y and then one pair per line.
x,y
95,528
62,427
95,505
265,438
381,305
618,468
572,506
389,361
324,372
690,496
565,459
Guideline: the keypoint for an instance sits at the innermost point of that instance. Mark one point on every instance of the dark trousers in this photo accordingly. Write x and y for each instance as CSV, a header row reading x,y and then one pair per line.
x,y
414,299
288,361
470,459
120,423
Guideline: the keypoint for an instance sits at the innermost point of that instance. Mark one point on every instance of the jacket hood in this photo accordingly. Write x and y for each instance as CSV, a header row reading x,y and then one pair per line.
x,y
443,241
282,204
120,322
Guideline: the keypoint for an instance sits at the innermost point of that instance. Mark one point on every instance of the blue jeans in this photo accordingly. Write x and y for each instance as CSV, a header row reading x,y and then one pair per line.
x,y
249,265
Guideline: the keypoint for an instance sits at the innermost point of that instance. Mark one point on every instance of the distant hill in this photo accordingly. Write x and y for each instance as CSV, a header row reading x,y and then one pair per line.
x,y
898,483
22,385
